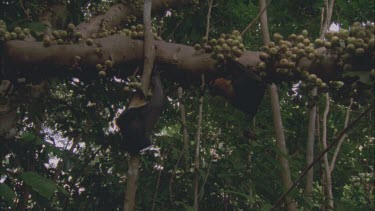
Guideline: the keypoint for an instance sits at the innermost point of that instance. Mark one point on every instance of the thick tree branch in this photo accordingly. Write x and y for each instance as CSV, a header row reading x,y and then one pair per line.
x,y
179,61
118,12
54,16
33,58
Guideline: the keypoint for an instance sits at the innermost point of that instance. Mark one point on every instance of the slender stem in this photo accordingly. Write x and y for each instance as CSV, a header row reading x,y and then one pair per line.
x,y
162,158
328,176
310,150
185,150
197,148
256,18
208,17
334,142
337,150
26,13
149,58
276,114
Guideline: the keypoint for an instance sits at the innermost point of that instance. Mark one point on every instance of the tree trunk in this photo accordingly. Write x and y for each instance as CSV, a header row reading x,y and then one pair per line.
x,y
328,16
197,148
337,150
310,152
185,150
131,183
281,145
149,58
275,104
328,178
327,173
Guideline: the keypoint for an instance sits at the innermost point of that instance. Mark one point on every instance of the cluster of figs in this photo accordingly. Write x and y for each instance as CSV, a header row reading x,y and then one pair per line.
x,y
133,85
227,46
133,31
61,37
137,32
104,68
16,34
353,50
58,37
97,9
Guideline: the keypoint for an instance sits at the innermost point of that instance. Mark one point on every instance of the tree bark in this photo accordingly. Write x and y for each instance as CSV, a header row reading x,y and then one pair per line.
x,y
310,152
197,149
149,57
328,176
337,150
328,16
131,183
185,134
286,178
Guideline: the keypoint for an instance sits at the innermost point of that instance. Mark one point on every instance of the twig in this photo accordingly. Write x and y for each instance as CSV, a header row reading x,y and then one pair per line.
x,y
334,142
328,16
171,181
197,146
184,150
337,150
166,151
174,30
27,14
256,18
206,177
208,17
83,168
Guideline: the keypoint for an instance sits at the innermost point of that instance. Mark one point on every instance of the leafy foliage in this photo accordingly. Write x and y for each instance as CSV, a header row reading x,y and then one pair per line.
x,y
75,162
41,185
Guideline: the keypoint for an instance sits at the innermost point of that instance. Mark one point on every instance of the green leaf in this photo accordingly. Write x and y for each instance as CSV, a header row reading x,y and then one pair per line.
x,y
37,27
364,76
237,193
32,138
266,207
28,137
294,193
188,208
55,150
202,173
41,185
7,193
